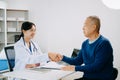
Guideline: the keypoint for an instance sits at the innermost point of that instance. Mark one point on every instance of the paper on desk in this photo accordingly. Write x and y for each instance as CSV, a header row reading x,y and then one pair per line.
x,y
51,65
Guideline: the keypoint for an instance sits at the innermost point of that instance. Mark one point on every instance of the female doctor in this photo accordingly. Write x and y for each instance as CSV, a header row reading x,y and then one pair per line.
x,y
27,52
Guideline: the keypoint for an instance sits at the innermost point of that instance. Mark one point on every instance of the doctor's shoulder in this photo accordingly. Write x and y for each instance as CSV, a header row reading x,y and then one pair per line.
x,y
19,43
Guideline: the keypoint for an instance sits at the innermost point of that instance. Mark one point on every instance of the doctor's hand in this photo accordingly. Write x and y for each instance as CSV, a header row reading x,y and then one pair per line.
x,y
68,68
52,56
32,65
58,58
55,56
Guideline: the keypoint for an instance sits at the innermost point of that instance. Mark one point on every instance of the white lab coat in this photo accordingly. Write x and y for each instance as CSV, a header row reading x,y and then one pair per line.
x,y
24,56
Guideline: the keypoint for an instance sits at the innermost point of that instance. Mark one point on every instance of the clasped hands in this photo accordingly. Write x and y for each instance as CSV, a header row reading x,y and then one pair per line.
x,y
55,56
58,57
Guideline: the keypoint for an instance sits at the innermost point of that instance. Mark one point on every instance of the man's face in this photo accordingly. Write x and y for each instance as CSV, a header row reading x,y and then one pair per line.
x,y
88,28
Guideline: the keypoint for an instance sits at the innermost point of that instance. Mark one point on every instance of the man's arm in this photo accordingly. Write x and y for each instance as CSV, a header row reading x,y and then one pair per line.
x,y
103,57
74,61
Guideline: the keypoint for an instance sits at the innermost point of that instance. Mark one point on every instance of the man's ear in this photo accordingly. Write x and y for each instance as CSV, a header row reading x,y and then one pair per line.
x,y
95,27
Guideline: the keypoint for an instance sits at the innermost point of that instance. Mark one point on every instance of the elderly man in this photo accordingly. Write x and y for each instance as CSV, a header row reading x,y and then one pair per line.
x,y
96,54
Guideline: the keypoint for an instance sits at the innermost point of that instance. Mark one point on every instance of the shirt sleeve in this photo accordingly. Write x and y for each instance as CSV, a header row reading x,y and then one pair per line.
x,y
74,61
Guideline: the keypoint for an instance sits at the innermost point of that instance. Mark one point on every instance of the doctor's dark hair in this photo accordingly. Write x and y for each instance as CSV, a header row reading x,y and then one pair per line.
x,y
25,26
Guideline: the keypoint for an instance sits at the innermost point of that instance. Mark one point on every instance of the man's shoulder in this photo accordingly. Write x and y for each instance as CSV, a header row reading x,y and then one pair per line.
x,y
86,41
103,39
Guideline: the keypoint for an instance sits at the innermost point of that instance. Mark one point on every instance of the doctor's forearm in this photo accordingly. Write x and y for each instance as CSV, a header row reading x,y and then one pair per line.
x,y
32,65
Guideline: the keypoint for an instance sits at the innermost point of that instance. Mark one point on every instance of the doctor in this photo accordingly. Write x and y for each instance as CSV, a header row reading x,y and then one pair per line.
x,y
27,53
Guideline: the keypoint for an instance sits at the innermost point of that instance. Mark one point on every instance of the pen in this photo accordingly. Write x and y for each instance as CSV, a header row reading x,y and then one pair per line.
x,y
48,61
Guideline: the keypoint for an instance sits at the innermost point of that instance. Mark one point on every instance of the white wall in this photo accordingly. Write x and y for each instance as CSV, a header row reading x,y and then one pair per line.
x,y
59,23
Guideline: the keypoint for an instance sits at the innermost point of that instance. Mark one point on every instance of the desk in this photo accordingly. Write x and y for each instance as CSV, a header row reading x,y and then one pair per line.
x,y
2,77
73,76
39,75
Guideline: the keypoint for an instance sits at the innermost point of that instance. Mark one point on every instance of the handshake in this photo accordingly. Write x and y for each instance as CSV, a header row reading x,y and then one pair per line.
x,y
58,57
55,56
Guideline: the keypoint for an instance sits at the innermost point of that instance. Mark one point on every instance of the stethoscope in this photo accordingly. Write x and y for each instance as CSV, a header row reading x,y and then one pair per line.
x,y
31,51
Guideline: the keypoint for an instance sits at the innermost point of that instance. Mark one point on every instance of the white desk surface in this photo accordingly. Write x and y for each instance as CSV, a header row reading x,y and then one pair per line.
x,y
73,76
39,75
2,77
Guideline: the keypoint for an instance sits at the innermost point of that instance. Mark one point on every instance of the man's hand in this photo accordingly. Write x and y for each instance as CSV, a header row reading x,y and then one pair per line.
x,y
52,55
55,56
59,57
68,68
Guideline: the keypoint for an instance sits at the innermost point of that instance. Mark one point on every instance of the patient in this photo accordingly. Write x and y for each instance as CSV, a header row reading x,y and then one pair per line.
x,y
96,54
